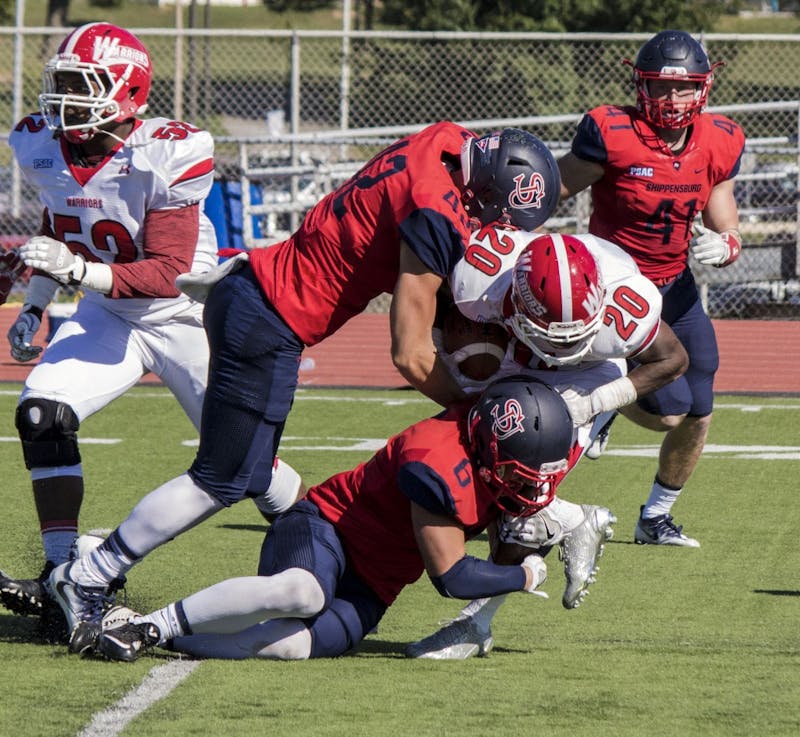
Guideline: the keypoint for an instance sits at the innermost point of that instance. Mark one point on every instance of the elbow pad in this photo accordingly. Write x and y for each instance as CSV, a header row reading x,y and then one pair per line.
x,y
471,578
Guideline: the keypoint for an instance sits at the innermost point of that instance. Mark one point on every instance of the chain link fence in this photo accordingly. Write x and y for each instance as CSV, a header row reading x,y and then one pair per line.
x,y
295,113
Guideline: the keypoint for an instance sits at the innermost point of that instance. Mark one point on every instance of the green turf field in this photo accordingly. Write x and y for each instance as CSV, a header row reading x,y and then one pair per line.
x,y
670,642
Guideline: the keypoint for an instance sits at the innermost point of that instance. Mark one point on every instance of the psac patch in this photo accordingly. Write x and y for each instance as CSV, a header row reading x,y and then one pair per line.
x,y
42,163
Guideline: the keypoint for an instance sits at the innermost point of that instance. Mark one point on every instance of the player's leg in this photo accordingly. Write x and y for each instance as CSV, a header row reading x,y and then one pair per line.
x,y
89,362
689,400
300,565
252,379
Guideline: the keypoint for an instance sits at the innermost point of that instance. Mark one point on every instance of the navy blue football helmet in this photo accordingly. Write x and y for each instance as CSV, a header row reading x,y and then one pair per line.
x,y
520,436
672,55
510,176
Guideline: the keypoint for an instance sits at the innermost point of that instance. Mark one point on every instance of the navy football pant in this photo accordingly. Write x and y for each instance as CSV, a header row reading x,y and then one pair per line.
x,y
301,538
252,378
692,393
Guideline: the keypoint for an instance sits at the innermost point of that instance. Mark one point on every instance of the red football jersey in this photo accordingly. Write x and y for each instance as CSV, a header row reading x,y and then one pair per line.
x,y
346,252
370,506
649,196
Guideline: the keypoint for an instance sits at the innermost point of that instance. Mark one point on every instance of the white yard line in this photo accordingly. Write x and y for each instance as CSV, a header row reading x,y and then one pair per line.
x,y
158,683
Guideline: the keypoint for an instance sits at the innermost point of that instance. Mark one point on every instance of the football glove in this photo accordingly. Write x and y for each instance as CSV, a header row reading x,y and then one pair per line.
x,y
47,254
536,565
53,257
22,332
715,249
604,398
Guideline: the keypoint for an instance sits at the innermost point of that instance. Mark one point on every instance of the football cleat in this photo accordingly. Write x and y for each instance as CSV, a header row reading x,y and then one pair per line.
x,y
661,530
83,638
457,640
26,596
79,603
580,550
125,641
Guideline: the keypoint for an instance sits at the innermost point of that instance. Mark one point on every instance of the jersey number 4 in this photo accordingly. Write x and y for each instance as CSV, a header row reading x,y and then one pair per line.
x,y
666,217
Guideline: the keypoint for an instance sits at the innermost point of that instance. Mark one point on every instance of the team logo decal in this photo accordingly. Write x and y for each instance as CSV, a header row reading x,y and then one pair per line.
x,y
528,194
109,50
488,144
532,305
594,300
510,421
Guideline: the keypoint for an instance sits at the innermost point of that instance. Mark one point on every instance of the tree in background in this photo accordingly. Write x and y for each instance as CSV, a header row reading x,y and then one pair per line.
x,y
551,15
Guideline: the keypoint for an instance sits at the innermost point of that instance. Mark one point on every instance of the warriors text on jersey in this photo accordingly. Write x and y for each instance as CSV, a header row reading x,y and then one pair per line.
x,y
346,252
100,212
370,505
481,283
648,197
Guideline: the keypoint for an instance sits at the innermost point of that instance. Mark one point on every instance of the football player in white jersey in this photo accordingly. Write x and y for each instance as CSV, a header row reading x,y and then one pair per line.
x,y
577,307
123,216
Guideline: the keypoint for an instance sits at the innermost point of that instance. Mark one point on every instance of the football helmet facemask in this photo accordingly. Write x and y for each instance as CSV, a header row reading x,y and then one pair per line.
x,y
520,436
675,56
558,296
509,176
100,74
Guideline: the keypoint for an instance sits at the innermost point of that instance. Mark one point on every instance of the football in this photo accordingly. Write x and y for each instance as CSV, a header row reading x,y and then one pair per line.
x,y
477,348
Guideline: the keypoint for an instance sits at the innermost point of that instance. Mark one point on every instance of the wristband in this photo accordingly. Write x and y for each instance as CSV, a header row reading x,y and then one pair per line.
x,y
97,277
613,395
734,243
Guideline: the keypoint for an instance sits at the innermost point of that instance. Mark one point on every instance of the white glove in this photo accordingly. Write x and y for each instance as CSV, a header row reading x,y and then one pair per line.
x,y
52,256
579,404
536,565
21,334
714,249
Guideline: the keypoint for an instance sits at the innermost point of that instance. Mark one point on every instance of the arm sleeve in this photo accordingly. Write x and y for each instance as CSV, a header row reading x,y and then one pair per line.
x,y
170,239
471,578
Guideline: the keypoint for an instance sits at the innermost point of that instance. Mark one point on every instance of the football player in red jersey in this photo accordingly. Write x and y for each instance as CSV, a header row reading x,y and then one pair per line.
x,y
652,168
399,225
333,563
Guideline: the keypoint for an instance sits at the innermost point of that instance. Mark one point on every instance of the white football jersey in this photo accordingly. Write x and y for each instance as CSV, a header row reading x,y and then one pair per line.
x,y
481,284
100,212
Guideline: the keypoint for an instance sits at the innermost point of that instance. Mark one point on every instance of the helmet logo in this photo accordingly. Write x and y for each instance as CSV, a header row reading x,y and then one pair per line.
x,y
594,300
510,422
527,195
533,306
108,50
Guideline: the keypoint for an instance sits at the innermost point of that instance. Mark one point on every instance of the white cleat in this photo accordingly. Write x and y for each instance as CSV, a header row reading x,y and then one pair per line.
x,y
458,640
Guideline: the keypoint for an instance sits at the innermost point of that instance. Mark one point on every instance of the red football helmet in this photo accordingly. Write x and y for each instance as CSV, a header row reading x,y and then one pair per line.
x,y
557,292
675,56
100,74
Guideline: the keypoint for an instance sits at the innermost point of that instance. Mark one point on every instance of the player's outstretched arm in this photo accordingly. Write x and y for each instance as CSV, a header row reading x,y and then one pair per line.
x,y
411,317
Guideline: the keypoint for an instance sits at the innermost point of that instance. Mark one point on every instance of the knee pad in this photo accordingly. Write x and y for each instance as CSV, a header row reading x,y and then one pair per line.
x,y
48,431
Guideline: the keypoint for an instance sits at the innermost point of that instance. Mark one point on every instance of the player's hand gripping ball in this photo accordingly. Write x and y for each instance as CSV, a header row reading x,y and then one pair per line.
x,y
477,348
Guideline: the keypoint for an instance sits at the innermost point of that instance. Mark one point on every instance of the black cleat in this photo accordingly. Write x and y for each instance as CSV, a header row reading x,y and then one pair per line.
x,y
126,641
26,596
